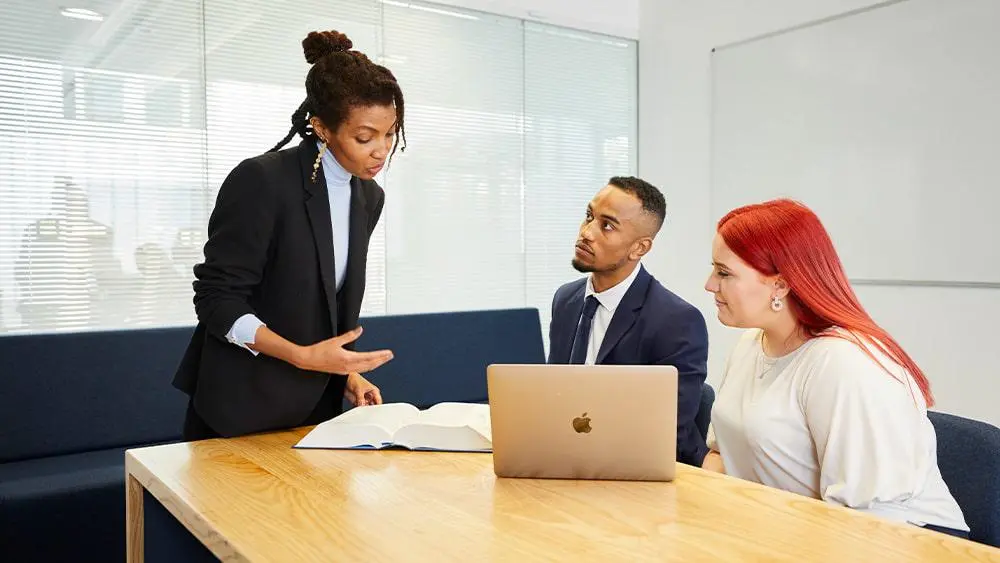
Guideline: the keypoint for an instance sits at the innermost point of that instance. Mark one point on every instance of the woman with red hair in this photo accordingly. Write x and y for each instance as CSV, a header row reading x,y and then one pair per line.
x,y
817,399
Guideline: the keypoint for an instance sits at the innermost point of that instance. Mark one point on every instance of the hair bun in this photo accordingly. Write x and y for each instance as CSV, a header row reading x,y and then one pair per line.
x,y
319,44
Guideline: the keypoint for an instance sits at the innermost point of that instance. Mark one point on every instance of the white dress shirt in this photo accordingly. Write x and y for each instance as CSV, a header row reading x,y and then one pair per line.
x,y
828,422
608,301
338,187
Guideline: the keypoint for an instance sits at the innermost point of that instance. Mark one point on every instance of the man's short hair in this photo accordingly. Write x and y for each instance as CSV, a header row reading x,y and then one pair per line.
x,y
651,198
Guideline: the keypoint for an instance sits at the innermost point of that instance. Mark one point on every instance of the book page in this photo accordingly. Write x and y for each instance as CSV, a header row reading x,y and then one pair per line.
x,y
461,427
371,426
388,416
473,415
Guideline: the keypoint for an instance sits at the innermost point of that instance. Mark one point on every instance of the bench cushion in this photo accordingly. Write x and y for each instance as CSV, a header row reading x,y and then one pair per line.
x,y
74,392
65,508
72,508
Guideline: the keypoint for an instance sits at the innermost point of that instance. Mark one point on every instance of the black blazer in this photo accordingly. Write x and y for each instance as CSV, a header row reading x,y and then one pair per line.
x,y
270,252
651,326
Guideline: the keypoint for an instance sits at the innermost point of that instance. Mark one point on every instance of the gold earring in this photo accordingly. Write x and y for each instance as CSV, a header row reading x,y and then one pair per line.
x,y
319,157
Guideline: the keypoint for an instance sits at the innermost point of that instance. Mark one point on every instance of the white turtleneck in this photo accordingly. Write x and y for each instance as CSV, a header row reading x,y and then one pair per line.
x,y
338,187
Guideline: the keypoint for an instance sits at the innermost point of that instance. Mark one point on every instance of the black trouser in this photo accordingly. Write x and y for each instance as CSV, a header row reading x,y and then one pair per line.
x,y
329,406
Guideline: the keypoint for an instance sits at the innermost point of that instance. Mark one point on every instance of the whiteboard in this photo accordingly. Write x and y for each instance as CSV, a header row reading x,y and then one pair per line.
x,y
886,122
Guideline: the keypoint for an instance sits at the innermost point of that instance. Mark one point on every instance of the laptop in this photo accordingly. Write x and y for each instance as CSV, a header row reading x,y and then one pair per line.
x,y
583,421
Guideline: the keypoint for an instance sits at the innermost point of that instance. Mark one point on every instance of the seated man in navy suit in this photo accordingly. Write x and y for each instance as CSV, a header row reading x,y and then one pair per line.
x,y
620,314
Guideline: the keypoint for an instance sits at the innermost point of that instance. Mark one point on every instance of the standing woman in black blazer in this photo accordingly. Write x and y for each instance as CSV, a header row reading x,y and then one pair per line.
x,y
279,294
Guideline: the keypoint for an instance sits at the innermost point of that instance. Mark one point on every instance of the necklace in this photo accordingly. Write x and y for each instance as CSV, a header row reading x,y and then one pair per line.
x,y
764,364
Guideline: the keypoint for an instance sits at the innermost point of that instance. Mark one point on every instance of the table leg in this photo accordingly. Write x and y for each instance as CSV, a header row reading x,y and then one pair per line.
x,y
134,521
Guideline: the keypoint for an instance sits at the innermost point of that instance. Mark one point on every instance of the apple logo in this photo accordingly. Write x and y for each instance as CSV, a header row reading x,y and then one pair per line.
x,y
582,424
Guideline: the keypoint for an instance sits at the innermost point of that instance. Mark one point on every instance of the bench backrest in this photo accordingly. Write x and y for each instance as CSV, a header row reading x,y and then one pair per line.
x,y
443,356
62,393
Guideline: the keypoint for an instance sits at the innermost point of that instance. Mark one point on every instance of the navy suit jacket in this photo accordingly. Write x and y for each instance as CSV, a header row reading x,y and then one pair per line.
x,y
651,326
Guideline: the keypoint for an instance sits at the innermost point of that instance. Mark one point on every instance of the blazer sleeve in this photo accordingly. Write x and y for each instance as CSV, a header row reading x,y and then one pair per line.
x,y
683,343
239,234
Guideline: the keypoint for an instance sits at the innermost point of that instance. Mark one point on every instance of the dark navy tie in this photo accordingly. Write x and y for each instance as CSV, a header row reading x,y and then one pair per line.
x,y
582,338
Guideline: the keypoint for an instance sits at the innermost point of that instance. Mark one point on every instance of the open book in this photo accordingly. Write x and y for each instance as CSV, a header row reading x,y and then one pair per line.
x,y
463,427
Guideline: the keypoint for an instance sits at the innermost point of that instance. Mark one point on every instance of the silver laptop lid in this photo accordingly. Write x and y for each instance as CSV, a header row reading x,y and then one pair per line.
x,y
583,422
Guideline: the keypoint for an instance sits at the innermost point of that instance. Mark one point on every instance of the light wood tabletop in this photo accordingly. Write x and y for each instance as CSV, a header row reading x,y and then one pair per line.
x,y
257,499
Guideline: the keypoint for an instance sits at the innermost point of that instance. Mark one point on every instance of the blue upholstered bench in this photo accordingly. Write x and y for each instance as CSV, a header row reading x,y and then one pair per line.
x,y
71,403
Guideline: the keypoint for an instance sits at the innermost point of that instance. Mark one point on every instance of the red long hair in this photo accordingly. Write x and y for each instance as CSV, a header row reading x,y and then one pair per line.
x,y
786,237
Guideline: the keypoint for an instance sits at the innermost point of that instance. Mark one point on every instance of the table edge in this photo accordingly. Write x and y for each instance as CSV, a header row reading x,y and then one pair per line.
x,y
182,512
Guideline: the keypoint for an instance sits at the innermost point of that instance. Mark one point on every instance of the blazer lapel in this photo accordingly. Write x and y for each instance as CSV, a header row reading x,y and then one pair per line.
x,y
357,255
318,210
574,308
625,314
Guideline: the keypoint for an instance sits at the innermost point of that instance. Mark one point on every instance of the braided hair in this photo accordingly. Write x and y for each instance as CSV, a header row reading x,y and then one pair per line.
x,y
340,79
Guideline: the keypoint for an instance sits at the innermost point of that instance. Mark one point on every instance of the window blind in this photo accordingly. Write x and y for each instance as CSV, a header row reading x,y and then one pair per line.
x,y
101,164
117,129
454,200
580,130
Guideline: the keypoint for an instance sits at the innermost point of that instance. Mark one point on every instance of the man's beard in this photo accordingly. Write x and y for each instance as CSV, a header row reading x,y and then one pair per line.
x,y
583,268
591,269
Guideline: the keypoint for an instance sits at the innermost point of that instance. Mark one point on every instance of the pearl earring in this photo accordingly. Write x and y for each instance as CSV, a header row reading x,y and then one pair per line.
x,y
319,157
777,304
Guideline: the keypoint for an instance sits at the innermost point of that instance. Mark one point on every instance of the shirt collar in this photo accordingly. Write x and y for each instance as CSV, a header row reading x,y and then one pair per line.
x,y
611,297
332,170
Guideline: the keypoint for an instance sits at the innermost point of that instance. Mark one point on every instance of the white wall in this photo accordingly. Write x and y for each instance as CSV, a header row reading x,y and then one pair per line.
x,y
613,17
947,331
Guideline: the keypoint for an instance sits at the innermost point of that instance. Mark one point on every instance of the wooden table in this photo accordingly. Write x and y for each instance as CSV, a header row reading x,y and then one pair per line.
x,y
257,499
